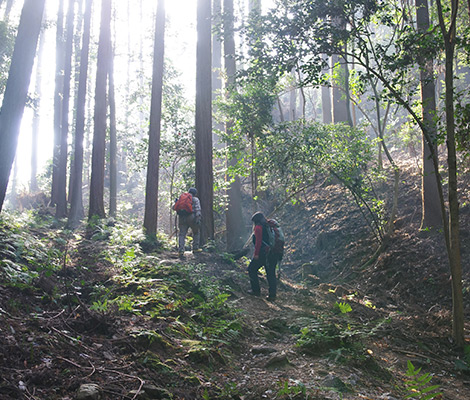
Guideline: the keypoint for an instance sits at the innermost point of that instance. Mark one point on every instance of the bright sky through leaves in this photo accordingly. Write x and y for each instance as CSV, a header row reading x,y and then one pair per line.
x,y
133,25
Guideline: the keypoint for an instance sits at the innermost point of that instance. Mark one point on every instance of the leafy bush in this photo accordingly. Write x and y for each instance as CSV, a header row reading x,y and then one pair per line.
x,y
418,384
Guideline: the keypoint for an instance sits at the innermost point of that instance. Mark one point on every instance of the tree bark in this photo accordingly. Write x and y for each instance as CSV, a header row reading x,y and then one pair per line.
x,y
59,84
76,206
33,182
16,90
112,138
340,101
216,68
99,136
153,166
453,241
233,214
431,216
61,205
204,174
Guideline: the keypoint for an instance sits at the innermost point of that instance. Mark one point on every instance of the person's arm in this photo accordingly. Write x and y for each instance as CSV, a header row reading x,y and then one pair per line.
x,y
196,207
258,240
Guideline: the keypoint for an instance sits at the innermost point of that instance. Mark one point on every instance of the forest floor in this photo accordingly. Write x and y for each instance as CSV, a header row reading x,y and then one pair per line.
x,y
139,325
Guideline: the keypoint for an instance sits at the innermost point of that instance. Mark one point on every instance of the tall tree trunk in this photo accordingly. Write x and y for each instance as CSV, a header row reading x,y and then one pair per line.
x,y
77,50
16,89
58,91
61,209
153,166
33,182
341,110
453,240
216,67
293,98
254,9
431,216
76,206
233,215
99,136
112,139
204,174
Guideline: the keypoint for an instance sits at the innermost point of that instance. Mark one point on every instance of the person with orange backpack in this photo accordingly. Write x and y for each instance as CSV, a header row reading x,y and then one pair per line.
x,y
188,208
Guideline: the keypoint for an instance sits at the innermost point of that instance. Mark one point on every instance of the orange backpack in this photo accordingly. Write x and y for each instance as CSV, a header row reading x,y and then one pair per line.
x,y
184,205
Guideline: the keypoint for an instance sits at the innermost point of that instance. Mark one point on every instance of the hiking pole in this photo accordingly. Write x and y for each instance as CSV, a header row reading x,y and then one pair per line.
x,y
176,230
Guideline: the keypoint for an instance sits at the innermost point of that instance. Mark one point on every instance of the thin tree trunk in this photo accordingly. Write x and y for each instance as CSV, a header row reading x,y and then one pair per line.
x,y
326,96
76,206
16,89
33,183
153,166
453,241
279,106
58,91
61,209
204,174
233,214
112,139
99,136
77,50
293,98
216,68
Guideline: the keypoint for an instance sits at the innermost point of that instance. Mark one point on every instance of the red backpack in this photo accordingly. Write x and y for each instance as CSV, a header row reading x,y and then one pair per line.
x,y
184,205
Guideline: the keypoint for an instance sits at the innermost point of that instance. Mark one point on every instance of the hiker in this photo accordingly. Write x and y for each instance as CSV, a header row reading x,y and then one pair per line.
x,y
262,257
188,208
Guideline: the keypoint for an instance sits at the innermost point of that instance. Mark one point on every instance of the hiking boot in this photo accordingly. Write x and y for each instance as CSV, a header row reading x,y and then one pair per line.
x,y
197,251
271,298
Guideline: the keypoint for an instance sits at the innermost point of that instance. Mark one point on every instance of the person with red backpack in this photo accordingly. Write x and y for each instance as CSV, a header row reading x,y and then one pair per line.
x,y
264,240
188,208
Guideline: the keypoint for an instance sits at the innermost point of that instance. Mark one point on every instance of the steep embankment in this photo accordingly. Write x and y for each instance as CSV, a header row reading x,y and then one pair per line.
x,y
93,309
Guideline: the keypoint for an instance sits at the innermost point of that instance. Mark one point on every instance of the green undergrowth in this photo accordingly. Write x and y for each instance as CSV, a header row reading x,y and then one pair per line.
x,y
172,310
25,255
145,285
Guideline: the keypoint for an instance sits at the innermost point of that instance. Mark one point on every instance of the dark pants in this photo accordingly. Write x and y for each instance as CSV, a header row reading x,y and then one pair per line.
x,y
269,263
184,223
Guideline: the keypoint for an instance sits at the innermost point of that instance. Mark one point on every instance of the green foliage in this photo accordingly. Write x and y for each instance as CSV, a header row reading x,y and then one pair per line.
x,y
288,391
249,108
418,385
23,255
296,153
100,306
319,338
342,307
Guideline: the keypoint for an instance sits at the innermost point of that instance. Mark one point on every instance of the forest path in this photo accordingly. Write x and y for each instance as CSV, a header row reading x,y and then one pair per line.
x,y
271,364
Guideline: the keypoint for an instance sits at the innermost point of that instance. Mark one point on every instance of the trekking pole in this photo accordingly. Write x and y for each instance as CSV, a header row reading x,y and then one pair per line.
x,y
279,270
176,230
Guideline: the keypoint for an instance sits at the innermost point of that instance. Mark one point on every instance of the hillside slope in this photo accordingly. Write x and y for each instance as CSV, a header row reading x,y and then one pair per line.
x,y
91,308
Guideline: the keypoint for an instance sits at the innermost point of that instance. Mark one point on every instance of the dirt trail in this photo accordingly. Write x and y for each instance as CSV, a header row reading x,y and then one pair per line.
x,y
371,364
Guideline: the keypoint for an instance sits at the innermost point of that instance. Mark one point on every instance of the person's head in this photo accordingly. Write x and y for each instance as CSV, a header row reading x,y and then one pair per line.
x,y
193,191
258,218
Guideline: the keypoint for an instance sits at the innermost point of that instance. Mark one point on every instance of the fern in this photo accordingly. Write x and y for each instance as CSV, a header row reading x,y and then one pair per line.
x,y
418,384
